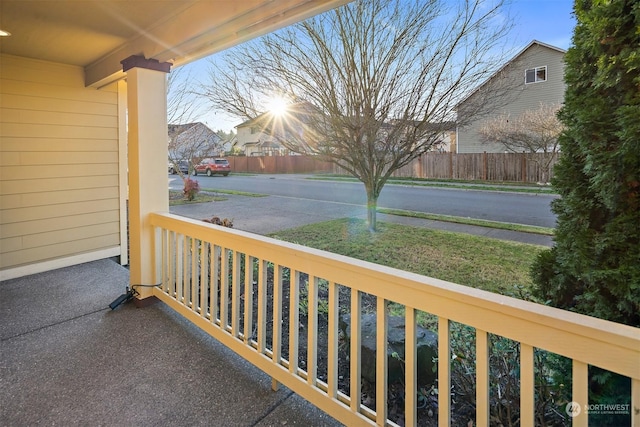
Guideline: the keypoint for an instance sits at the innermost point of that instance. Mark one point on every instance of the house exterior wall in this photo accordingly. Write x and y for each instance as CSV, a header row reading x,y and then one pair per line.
x,y
247,141
59,167
521,96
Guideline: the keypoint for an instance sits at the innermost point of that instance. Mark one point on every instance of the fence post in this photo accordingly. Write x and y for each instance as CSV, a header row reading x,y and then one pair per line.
x,y
524,167
485,166
450,165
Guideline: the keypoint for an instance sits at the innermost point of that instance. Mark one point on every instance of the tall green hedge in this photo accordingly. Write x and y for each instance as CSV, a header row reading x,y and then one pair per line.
x,y
594,267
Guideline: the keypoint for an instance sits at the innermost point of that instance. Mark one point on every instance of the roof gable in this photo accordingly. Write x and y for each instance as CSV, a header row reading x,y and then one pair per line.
x,y
515,58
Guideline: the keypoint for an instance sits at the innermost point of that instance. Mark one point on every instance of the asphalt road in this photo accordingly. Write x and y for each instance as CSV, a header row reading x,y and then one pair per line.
x,y
518,208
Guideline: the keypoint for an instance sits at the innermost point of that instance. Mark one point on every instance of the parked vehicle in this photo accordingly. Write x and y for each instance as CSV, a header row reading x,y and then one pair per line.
x,y
213,166
180,165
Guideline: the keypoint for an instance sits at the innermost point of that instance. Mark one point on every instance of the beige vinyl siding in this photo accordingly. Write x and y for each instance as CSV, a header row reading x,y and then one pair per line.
x,y
59,163
524,96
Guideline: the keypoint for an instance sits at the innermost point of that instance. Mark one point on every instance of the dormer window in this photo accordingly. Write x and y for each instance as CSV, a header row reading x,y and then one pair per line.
x,y
535,75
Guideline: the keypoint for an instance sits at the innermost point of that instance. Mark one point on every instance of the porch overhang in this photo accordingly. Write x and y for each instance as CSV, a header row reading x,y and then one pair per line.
x,y
98,35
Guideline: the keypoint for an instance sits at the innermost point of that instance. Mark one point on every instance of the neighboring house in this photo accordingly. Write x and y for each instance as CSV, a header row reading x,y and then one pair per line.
x,y
256,137
533,77
226,145
265,134
253,139
193,140
447,141
83,127
445,135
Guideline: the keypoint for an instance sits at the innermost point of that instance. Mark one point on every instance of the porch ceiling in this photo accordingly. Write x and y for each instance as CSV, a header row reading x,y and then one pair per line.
x,y
97,35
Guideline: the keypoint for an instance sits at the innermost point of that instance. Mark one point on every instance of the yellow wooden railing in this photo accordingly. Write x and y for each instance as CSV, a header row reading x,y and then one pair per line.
x,y
210,275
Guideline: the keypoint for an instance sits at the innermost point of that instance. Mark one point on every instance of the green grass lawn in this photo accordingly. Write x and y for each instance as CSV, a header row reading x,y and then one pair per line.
x,y
514,187
490,264
233,192
176,197
545,231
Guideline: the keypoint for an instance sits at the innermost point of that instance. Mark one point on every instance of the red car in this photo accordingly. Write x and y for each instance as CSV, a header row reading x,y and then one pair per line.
x,y
213,166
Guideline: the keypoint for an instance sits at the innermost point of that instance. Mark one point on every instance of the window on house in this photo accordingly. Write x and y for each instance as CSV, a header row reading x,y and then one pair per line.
x,y
535,75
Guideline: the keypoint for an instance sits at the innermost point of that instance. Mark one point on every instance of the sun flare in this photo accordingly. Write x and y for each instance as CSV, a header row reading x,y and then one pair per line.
x,y
278,106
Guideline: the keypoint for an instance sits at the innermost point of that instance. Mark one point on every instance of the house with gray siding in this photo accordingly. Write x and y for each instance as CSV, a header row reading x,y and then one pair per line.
x,y
533,77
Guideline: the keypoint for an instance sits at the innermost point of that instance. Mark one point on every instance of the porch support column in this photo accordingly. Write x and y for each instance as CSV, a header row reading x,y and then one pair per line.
x,y
148,153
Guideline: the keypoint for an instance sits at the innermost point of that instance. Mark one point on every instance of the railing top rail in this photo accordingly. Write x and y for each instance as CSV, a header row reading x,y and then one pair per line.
x,y
587,339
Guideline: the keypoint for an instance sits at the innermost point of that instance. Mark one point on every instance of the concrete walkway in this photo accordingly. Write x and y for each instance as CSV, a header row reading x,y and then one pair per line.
x,y
66,359
269,214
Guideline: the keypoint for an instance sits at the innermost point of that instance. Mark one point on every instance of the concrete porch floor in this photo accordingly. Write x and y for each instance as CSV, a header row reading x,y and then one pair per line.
x,y
67,359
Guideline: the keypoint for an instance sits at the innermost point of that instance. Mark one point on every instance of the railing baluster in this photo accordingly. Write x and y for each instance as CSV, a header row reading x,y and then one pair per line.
x,y
194,273
332,356
158,271
482,378
312,329
224,289
248,298
215,281
294,314
277,314
411,368
580,393
165,260
235,295
172,261
180,266
354,353
202,294
527,385
444,378
262,306
635,402
381,361
185,271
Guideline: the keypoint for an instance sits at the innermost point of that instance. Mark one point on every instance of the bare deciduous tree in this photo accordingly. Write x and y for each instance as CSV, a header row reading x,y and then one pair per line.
x,y
533,132
378,81
192,142
182,106
188,140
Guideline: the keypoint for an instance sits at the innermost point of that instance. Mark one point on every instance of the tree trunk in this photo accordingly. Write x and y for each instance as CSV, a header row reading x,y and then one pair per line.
x,y
372,205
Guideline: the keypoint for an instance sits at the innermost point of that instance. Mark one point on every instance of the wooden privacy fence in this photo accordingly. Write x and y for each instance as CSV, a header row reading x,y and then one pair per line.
x,y
474,166
478,166
279,164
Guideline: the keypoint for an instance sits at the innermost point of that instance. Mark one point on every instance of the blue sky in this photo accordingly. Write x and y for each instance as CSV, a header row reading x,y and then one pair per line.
x,y
548,21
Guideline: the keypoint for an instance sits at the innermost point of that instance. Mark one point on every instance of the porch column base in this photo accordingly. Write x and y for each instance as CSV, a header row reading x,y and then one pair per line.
x,y
145,302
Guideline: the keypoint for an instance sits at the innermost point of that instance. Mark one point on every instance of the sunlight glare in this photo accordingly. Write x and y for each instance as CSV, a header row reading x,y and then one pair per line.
x,y
278,106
